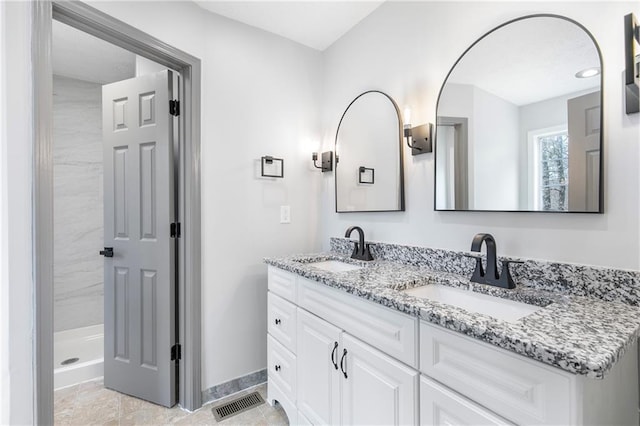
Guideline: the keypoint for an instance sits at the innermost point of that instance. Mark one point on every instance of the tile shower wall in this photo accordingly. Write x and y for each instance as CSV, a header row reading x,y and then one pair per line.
x,y
78,227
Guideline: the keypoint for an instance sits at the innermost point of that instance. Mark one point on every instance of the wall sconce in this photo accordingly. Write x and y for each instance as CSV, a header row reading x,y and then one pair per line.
x,y
419,137
632,64
366,175
327,161
271,167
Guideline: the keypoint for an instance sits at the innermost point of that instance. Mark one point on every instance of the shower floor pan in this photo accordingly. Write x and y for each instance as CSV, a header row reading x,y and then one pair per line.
x,y
85,344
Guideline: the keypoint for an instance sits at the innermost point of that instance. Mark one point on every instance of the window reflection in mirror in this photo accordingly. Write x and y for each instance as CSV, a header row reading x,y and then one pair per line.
x,y
369,174
517,129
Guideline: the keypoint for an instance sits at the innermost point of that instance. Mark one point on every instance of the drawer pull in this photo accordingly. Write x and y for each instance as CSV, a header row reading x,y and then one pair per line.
x,y
343,363
277,367
334,353
278,321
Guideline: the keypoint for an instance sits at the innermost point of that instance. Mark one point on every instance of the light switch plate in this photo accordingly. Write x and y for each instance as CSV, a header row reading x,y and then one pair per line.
x,y
285,214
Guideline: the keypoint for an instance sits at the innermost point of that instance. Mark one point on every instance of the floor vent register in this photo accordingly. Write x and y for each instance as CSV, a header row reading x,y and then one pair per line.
x,y
237,406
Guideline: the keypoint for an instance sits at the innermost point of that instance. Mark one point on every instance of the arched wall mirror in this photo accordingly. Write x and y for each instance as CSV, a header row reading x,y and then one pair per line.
x,y
519,121
368,145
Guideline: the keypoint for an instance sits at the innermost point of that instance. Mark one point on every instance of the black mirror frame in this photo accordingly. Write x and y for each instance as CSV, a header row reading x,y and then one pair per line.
x,y
602,145
401,156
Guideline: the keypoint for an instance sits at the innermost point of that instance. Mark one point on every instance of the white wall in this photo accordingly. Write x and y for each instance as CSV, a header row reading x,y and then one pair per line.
x,y
4,288
146,66
495,152
260,96
16,282
406,50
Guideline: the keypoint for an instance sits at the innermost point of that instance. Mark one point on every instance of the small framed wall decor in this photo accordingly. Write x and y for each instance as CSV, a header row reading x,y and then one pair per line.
x,y
272,167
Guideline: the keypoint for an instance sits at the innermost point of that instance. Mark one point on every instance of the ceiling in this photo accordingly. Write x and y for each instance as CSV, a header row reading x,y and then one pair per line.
x,y
78,55
316,24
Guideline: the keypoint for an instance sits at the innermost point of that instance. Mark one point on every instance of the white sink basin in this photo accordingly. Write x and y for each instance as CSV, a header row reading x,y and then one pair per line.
x,y
502,309
335,266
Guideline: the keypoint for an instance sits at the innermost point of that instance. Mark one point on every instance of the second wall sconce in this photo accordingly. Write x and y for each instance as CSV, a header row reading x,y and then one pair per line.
x,y
419,137
327,161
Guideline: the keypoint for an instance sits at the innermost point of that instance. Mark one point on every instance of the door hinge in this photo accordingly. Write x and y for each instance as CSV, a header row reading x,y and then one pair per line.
x,y
174,107
175,230
176,352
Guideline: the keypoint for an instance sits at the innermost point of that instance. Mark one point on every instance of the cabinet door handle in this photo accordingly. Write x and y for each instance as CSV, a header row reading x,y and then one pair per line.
x,y
277,367
334,357
278,321
343,363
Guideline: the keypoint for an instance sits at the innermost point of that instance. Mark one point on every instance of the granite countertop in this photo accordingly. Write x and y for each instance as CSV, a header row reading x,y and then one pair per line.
x,y
581,335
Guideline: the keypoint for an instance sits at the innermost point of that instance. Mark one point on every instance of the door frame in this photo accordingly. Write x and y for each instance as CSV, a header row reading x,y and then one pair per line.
x,y
101,25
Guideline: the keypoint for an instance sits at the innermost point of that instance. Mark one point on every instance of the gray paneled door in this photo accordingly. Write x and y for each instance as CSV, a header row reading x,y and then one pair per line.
x,y
139,292
584,152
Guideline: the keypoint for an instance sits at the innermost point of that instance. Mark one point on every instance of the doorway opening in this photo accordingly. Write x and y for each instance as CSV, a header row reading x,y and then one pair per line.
x,y
149,50
82,66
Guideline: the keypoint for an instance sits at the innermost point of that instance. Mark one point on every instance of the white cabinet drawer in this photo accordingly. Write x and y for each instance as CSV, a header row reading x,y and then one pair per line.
x,y
441,406
282,283
282,368
390,331
281,317
512,386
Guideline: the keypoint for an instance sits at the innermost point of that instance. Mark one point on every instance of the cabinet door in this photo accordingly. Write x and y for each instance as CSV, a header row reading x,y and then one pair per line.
x,y
441,406
318,379
377,389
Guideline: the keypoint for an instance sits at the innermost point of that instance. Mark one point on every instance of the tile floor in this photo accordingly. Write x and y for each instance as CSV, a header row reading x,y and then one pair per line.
x,y
91,404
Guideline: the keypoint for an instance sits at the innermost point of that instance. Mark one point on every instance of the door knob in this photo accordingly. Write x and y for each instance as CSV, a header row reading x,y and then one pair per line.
x,y
278,321
277,367
107,252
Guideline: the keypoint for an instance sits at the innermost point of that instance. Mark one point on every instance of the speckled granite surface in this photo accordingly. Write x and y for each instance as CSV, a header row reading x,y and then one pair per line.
x,y
577,280
582,335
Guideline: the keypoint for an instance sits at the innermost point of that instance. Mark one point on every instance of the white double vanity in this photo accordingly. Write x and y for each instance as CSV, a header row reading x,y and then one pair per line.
x,y
380,356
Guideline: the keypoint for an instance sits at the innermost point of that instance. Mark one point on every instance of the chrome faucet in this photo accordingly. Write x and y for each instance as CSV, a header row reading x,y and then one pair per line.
x,y
360,250
491,276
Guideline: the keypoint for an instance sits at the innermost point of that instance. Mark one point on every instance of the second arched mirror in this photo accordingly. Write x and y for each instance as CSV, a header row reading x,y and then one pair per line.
x,y
369,169
518,126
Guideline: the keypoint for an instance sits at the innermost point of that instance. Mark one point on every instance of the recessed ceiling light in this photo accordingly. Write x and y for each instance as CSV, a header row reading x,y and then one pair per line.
x,y
589,72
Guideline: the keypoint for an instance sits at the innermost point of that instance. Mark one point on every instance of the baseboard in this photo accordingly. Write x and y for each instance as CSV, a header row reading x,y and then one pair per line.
x,y
234,386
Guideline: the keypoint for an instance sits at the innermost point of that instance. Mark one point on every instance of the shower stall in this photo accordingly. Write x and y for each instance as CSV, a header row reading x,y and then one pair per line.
x,y
78,231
